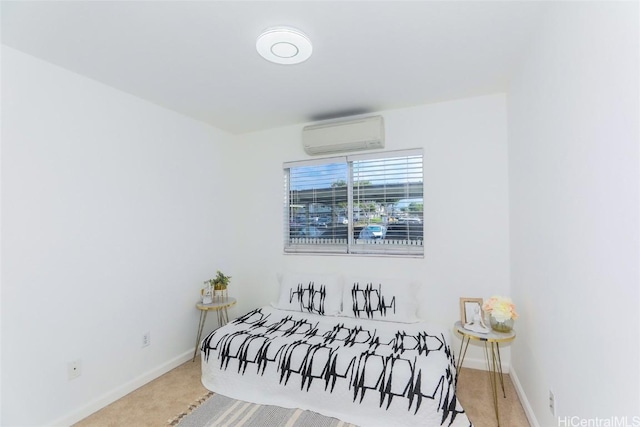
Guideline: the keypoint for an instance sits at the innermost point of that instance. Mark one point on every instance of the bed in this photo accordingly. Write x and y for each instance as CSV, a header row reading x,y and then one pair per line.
x,y
354,352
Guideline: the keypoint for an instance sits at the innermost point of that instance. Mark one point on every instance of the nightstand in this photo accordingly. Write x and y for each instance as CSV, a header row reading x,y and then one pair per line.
x,y
491,341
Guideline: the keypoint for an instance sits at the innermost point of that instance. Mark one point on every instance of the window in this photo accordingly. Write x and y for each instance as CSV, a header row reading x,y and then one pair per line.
x,y
359,204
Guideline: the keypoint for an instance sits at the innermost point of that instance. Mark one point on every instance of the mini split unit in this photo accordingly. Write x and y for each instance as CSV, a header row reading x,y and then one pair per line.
x,y
345,135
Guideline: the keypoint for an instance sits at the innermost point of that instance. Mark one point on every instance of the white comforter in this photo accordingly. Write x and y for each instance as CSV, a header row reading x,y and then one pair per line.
x,y
366,372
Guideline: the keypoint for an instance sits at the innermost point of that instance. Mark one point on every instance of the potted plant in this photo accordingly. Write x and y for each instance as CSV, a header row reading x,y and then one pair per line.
x,y
218,284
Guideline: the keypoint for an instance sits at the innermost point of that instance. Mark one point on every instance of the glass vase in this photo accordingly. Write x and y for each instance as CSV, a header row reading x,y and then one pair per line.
x,y
497,326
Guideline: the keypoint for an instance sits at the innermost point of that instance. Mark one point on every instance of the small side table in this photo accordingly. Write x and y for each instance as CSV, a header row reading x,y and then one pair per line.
x,y
491,342
219,305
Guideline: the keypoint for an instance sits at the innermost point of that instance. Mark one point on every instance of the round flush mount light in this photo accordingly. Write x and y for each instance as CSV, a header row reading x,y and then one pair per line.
x,y
284,45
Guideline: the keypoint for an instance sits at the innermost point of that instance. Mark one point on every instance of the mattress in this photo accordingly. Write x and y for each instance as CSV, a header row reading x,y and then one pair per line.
x,y
365,372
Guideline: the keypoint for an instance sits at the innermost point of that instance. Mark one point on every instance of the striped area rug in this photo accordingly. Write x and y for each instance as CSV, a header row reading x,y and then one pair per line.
x,y
219,410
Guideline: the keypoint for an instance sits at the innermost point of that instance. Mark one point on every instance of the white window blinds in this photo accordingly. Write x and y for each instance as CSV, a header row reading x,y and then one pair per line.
x,y
360,204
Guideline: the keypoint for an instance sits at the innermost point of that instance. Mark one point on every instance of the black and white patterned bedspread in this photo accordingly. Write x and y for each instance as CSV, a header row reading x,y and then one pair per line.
x,y
364,372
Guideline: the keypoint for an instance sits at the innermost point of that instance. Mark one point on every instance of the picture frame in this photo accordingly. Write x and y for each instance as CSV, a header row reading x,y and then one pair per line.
x,y
468,307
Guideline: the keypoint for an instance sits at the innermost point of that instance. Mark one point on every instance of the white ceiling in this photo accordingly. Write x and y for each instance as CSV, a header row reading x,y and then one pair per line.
x,y
199,57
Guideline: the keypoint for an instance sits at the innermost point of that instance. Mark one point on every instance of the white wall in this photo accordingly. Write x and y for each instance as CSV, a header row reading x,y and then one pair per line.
x,y
574,185
466,208
115,210
107,196
111,211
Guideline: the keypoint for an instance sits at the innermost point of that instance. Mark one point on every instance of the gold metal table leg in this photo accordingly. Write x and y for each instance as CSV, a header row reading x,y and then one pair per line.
x,y
494,368
504,394
203,319
223,317
461,355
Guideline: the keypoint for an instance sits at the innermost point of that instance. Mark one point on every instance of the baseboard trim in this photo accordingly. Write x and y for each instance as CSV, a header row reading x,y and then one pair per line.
x,y
121,391
528,411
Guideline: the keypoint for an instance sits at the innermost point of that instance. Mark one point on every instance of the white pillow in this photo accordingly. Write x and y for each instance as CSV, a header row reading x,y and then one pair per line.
x,y
393,300
311,293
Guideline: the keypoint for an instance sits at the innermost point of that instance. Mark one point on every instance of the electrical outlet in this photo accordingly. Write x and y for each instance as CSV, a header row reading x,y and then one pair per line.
x,y
146,339
74,369
552,403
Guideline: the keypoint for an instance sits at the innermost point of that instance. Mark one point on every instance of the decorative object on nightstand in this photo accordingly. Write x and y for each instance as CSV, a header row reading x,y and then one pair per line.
x,y
207,294
502,313
471,315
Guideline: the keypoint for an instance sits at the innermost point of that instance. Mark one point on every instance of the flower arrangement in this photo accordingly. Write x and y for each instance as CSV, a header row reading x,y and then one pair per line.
x,y
500,308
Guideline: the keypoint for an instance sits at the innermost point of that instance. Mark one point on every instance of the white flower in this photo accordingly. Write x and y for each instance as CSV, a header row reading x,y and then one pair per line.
x,y
500,308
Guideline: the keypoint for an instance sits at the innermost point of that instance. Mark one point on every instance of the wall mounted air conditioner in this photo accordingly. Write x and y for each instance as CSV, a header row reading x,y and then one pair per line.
x,y
349,135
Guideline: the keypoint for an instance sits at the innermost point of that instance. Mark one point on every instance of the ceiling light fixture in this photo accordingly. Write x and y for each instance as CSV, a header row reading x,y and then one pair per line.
x,y
284,45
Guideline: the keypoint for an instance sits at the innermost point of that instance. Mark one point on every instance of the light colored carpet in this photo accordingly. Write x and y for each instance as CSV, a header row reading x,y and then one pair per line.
x,y
474,393
179,391
155,403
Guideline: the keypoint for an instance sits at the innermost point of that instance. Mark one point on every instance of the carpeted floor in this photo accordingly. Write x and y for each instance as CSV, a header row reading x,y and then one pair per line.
x,y
163,400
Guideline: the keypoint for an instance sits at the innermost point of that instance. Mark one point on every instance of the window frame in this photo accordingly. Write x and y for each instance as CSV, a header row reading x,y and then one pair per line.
x,y
351,246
